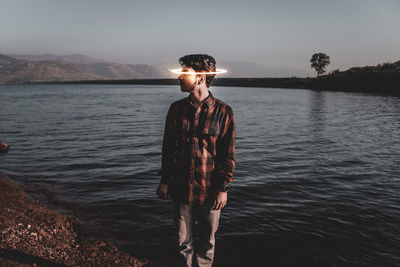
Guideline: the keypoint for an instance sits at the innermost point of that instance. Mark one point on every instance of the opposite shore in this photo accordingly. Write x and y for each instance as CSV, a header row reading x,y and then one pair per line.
x,y
380,79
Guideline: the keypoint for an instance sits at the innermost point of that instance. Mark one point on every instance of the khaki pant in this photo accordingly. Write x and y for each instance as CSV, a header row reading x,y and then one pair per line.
x,y
207,223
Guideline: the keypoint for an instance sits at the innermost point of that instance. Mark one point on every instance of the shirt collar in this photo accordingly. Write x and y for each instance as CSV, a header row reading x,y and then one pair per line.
x,y
209,100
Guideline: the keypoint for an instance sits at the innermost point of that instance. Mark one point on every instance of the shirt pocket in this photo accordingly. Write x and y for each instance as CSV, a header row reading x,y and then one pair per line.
x,y
209,137
212,130
183,133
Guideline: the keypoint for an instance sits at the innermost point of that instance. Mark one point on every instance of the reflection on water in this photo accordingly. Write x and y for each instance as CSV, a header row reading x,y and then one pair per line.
x,y
317,122
316,182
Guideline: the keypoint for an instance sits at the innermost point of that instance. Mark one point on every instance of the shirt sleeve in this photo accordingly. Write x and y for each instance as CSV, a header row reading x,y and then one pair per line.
x,y
168,149
227,150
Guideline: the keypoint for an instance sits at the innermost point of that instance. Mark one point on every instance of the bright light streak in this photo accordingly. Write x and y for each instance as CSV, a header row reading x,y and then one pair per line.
x,y
179,71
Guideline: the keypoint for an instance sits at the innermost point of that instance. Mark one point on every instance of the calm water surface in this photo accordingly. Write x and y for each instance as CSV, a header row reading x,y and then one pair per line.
x,y
317,179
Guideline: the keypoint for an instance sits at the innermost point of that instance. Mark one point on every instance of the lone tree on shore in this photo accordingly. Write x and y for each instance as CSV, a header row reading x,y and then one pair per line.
x,y
319,61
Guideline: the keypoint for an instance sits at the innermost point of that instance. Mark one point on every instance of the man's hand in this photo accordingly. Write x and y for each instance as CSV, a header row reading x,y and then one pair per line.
x,y
162,191
220,200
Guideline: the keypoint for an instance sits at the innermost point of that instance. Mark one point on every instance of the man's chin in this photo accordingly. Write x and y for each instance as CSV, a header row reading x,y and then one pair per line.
x,y
183,89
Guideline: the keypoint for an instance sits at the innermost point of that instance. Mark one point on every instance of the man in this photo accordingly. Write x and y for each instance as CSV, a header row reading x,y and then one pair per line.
x,y
198,159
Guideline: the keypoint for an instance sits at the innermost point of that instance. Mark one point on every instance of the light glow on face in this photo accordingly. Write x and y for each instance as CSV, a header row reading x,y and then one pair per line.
x,y
180,71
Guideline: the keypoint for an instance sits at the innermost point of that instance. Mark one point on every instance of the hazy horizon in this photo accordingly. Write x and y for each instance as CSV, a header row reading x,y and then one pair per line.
x,y
274,34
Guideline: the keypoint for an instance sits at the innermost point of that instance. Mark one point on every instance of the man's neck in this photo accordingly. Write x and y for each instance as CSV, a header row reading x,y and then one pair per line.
x,y
198,96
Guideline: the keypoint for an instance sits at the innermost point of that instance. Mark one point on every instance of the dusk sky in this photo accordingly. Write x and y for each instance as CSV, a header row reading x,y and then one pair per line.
x,y
270,33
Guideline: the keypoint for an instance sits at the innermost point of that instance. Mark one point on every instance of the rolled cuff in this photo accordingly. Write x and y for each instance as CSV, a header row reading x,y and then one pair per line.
x,y
165,179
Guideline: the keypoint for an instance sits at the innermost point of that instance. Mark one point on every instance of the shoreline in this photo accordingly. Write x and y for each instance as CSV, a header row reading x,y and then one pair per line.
x,y
372,82
32,234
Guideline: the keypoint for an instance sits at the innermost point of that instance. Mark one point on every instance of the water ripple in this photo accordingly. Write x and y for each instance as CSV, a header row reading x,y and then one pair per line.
x,y
316,179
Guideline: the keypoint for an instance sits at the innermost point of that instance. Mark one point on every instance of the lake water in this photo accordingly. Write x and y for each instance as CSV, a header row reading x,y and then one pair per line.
x,y
317,176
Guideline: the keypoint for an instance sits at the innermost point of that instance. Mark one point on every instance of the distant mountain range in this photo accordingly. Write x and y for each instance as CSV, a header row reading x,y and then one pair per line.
x,y
73,59
383,78
18,69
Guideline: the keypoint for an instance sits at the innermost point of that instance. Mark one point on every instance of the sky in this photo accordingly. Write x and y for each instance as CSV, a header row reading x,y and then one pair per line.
x,y
270,33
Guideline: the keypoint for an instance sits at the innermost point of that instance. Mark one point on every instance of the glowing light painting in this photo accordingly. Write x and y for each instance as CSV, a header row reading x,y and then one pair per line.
x,y
179,71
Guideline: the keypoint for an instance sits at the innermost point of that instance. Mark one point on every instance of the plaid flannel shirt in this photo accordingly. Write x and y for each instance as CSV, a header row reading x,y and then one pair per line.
x,y
198,150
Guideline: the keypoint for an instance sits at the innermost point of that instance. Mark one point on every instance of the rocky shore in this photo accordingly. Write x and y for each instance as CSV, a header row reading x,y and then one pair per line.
x,y
34,235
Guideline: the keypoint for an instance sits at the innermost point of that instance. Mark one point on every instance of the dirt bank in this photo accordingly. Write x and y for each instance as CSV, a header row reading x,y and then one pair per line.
x,y
34,235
